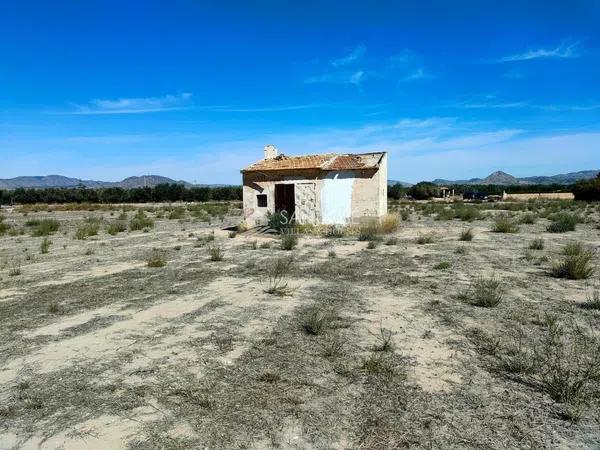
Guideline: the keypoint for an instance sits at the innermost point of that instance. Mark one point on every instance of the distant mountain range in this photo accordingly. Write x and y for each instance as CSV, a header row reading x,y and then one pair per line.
x,y
58,181
503,178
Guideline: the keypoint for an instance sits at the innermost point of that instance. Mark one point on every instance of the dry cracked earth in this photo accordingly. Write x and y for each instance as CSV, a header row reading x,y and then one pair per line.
x,y
367,348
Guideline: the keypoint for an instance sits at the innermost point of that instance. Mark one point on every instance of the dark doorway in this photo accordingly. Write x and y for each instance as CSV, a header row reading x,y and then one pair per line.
x,y
284,199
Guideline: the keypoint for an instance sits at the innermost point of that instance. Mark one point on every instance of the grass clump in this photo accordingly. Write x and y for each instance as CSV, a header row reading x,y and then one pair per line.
x,y
378,364
466,235
468,214
316,321
278,274
372,245
576,263
592,301
528,218
116,227
177,213
391,241
156,258
334,232
562,222
390,223
289,241
385,341
426,238
368,231
87,230
232,234
504,224
43,227
53,308
444,265
45,245
537,244
215,253
485,292
140,221
14,270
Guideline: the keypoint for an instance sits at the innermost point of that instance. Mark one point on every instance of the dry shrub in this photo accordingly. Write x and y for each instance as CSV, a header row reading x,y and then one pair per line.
x,y
390,223
277,277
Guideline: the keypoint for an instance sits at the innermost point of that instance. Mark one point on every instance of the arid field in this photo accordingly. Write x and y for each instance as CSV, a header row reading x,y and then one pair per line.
x,y
450,326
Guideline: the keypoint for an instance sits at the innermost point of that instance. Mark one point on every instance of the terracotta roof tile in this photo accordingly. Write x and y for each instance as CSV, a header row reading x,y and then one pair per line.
x,y
323,162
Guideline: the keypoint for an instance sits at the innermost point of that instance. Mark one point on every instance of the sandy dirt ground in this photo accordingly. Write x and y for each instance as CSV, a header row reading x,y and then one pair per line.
x,y
369,347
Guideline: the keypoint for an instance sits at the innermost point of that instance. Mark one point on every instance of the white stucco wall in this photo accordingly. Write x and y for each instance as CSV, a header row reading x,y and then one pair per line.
x,y
336,197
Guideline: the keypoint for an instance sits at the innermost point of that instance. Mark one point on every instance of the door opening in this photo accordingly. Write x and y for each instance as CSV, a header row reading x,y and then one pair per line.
x,y
284,199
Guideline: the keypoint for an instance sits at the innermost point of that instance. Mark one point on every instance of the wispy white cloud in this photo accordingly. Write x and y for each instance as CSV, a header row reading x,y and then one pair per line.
x,y
338,77
418,74
566,49
276,108
137,105
355,55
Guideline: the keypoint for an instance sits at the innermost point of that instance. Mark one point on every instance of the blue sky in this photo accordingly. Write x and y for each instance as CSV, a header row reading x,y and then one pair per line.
x,y
193,90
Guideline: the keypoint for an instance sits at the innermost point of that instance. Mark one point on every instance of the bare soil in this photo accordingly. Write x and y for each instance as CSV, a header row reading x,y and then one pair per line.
x,y
98,350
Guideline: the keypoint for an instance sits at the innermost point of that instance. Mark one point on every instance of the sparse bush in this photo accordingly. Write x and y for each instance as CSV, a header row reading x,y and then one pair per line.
x,y
332,254
485,292
278,221
277,276
592,301
444,265
372,244
537,244
568,365
385,342
140,221
45,245
368,231
53,308
216,253
232,234
468,213
4,227
316,321
87,230
116,227
528,218
378,364
265,244
390,223
575,264
289,241
43,227
466,235
177,213
269,377
504,224
334,231
562,222
405,214
156,258
391,241
14,270
426,238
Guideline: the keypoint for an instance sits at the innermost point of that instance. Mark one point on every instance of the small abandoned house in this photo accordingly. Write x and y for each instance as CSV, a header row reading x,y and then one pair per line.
x,y
316,189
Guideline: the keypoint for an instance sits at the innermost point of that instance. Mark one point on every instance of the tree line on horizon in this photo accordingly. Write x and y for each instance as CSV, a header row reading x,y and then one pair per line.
x,y
159,193
584,190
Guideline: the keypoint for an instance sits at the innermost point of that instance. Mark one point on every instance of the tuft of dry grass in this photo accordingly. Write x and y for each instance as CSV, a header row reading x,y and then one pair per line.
x,y
390,223
215,253
504,224
156,258
278,274
485,292
576,263
466,235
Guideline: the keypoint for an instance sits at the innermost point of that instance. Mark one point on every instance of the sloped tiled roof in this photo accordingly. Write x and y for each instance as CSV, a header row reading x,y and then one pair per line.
x,y
323,162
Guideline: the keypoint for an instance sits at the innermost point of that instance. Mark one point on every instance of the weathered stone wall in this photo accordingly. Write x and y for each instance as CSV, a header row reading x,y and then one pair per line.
x,y
539,196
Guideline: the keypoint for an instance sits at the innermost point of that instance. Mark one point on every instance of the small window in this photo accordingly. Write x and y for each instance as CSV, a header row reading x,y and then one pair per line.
x,y
261,199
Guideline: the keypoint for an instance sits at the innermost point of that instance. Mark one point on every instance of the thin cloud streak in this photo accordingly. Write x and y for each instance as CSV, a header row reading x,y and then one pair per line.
x,y
566,49
137,105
